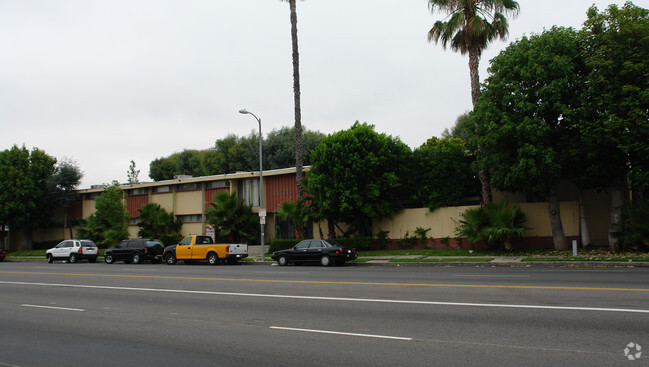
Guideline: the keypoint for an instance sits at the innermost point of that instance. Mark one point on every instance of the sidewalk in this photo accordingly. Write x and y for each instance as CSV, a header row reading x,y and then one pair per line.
x,y
491,261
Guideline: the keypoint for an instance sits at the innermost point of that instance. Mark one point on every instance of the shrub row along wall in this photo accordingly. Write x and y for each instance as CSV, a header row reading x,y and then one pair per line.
x,y
442,223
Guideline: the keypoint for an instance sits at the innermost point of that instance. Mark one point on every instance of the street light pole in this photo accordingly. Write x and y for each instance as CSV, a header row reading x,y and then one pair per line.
x,y
261,184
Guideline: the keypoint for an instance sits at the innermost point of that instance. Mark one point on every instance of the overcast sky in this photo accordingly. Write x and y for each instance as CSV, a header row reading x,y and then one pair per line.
x,y
106,82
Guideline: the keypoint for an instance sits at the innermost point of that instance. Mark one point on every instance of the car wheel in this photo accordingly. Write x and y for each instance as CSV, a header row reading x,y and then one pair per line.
x,y
109,259
170,259
92,260
282,260
213,258
325,260
137,258
73,258
50,259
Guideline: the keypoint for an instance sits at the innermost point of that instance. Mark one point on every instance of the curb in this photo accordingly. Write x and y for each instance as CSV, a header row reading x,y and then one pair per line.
x,y
490,264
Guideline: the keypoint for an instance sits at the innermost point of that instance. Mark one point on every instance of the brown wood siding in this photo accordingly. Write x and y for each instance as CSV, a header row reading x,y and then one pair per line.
x,y
135,202
279,189
209,195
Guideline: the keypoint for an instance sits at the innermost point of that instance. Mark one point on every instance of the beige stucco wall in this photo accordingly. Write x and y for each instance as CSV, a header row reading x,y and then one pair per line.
x,y
442,222
192,228
188,202
88,207
165,200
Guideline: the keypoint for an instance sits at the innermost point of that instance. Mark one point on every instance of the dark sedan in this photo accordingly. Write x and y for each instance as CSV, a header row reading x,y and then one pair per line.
x,y
327,252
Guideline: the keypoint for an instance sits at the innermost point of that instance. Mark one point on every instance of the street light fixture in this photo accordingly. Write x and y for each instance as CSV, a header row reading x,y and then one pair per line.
x,y
261,185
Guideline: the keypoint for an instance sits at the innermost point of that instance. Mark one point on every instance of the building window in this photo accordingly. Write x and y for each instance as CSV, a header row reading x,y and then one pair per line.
x,y
190,218
92,196
134,221
134,192
217,184
188,187
166,188
249,192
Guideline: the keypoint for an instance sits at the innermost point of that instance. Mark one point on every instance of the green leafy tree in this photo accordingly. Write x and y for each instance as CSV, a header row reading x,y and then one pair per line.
x,y
25,200
162,168
469,27
234,153
279,147
444,174
463,129
616,106
187,162
109,223
132,174
233,220
357,175
228,155
63,185
157,223
523,114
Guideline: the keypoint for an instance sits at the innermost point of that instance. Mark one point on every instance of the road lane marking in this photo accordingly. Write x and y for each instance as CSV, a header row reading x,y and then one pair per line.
x,y
341,299
340,333
342,283
55,308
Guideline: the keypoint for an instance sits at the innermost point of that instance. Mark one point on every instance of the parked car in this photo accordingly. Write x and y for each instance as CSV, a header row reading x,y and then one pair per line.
x,y
3,254
327,252
197,247
135,250
73,251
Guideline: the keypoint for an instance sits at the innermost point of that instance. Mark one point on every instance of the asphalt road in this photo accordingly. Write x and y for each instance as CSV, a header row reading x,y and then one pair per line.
x,y
359,315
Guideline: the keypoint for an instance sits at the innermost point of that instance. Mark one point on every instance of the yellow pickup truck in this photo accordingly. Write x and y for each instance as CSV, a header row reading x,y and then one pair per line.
x,y
198,247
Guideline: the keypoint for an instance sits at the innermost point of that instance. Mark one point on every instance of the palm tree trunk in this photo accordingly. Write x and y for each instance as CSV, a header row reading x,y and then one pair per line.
x,y
474,61
558,235
483,174
296,95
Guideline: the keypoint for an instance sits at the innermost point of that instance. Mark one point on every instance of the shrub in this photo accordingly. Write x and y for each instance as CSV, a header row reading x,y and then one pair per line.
x,y
358,243
421,234
495,223
382,237
281,244
407,241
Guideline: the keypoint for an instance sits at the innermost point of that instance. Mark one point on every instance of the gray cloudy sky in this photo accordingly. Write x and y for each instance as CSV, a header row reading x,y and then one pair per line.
x,y
105,82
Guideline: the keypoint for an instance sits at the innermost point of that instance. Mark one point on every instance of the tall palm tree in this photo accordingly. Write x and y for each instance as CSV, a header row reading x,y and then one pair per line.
x,y
296,97
469,27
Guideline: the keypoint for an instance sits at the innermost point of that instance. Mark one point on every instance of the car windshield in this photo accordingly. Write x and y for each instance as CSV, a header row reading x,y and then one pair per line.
x,y
88,244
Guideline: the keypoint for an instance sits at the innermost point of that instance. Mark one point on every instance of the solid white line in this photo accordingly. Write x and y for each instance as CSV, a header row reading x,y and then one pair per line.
x,y
55,308
342,299
340,333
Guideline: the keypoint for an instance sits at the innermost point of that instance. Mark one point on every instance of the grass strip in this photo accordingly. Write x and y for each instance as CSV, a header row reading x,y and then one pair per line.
x,y
572,258
442,260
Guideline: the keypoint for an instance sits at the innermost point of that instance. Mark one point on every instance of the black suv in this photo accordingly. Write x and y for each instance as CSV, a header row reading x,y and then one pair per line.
x,y
135,250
